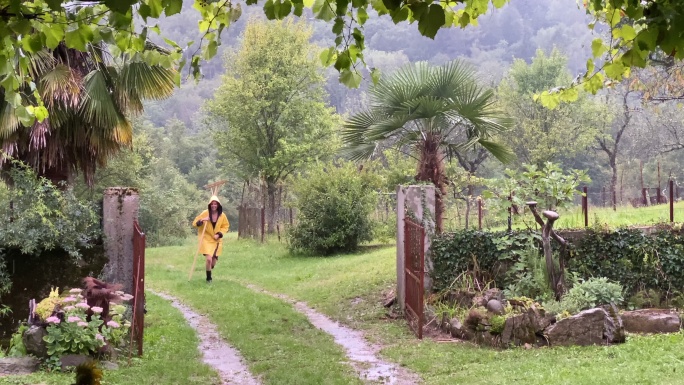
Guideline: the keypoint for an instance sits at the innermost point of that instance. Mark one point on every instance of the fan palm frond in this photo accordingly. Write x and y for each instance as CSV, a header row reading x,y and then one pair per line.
x,y
9,123
88,97
61,86
435,98
498,150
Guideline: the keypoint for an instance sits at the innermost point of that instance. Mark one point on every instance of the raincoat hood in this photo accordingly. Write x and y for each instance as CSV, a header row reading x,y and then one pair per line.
x,y
214,198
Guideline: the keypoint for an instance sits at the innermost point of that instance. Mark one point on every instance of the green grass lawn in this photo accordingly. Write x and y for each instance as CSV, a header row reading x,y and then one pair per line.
x,y
283,348
350,288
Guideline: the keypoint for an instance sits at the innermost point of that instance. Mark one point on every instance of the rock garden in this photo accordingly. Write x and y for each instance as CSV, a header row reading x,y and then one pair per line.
x,y
546,288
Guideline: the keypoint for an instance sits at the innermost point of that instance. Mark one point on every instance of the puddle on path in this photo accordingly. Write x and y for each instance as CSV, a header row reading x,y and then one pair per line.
x,y
363,356
216,352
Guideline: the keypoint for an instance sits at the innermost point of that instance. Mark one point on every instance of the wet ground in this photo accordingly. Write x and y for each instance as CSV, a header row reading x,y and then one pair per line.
x,y
362,356
225,359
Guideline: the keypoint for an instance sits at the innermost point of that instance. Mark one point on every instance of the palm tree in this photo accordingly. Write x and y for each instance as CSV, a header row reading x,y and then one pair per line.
x,y
432,111
89,98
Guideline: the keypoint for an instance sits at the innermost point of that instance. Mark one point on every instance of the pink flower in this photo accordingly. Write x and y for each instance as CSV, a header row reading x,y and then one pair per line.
x,y
83,305
82,324
113,324
53,320
69,299
98,336
69,308
75,291
96,309
74,319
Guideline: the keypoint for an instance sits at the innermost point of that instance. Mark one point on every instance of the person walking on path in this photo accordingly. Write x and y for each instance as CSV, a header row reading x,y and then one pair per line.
x,y
212,224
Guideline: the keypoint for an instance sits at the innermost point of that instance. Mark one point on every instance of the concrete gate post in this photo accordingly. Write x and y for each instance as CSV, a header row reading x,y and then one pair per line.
x,y
411,198
119,209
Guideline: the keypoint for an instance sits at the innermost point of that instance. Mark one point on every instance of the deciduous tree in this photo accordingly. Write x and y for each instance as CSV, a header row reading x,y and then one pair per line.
x,y
269,115
541,135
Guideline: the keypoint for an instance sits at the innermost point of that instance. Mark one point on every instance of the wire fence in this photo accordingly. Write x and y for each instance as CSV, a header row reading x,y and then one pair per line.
x,y
629,205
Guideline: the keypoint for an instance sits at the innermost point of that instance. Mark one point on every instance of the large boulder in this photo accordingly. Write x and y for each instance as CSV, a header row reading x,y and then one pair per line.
x,y
590,327
525,328
651,321
70,361
20,365
33,341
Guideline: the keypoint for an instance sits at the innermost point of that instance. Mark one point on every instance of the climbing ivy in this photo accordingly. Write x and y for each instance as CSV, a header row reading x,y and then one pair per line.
x,y
634,258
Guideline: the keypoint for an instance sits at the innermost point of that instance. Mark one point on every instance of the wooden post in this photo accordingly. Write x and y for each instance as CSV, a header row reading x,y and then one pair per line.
x,y
510,211
479,213
644,197
622,186
263,224
585,207
603,196
660,191
643,189
671,201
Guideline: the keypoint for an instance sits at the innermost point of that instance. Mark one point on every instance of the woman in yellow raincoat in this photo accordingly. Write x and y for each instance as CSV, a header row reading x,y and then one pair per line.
x,y
212,224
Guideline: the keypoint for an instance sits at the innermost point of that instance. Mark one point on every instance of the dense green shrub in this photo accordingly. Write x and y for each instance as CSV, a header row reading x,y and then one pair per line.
x,y
333,205
488,256
635,259
594,292
586,295
528,276
36,215
385,229
168,203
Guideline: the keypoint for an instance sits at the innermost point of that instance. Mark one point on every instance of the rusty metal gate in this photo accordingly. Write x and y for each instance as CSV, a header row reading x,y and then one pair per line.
x,y
414,269
138,324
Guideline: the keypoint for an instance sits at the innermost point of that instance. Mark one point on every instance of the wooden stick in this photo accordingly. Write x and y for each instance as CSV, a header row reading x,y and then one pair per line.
x,y
214,187
199,246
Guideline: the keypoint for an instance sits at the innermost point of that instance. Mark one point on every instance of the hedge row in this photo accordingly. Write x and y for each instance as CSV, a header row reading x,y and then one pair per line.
x,y
633,257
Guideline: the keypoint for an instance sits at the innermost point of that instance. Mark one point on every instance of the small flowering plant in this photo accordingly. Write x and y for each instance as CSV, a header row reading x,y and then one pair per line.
x,y
71,333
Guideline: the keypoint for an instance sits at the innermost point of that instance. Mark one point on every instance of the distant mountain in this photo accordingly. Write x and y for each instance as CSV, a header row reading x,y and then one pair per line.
x,y
515,31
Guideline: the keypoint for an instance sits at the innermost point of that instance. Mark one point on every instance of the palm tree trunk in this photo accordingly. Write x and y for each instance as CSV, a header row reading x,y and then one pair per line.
x,y
431,169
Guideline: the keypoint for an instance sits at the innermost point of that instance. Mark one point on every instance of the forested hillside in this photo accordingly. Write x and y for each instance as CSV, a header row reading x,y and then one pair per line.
x,y
514,31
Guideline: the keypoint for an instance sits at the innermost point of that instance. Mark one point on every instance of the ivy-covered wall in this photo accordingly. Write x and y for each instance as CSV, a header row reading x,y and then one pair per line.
x,y
635,258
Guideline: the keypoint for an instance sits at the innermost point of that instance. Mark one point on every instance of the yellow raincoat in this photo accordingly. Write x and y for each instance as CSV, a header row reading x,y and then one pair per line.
x,y
210,245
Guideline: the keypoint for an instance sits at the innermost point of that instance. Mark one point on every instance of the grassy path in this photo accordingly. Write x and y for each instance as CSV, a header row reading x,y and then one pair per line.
x,y
223,358
279,344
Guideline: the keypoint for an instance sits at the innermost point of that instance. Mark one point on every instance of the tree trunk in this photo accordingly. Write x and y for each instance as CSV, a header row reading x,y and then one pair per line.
x,y
431,169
